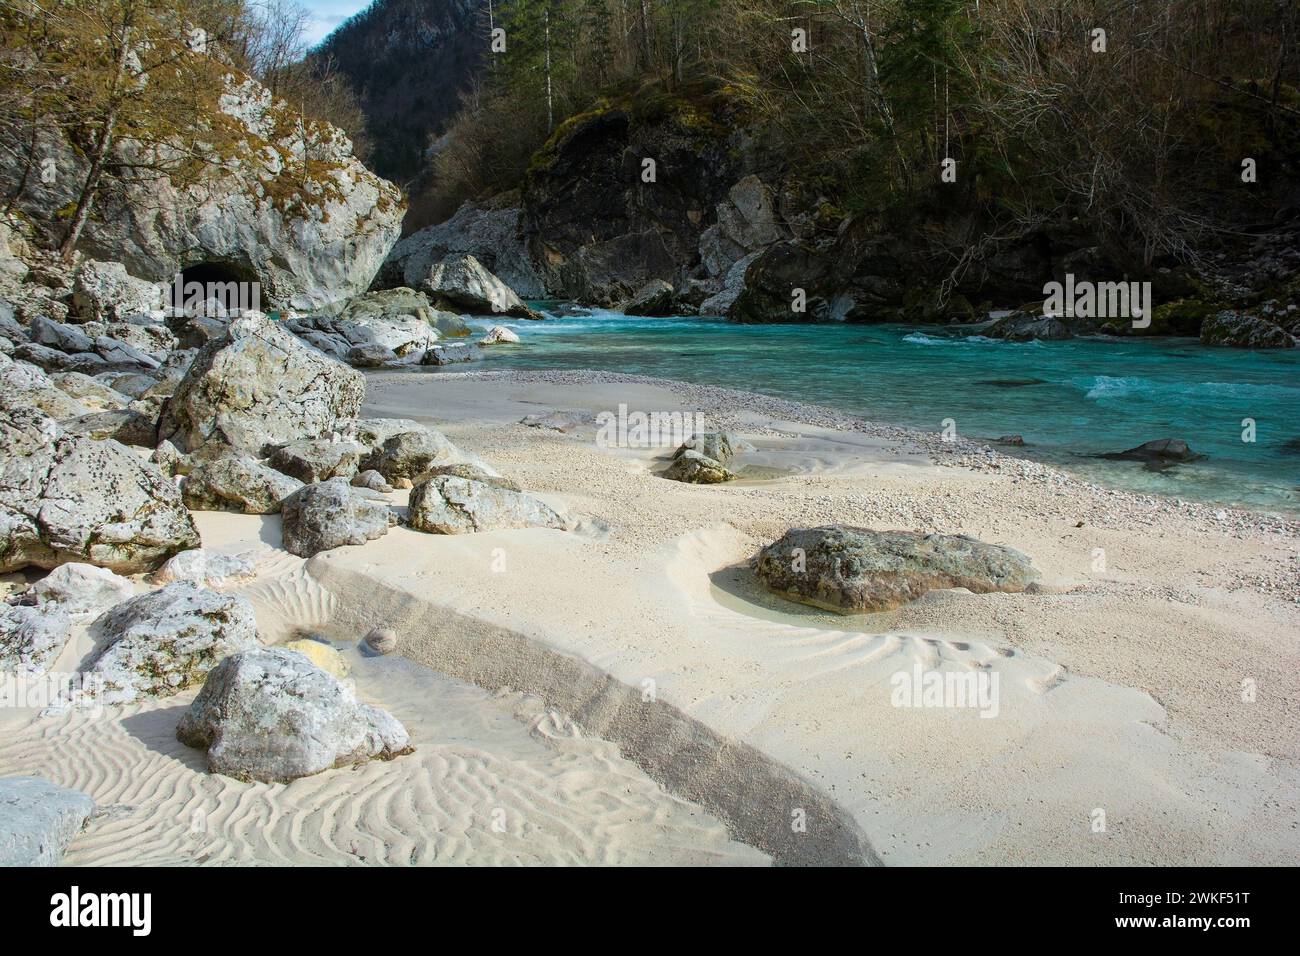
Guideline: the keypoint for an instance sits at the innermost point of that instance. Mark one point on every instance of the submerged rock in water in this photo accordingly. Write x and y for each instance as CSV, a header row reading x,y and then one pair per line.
x,y
849,570
449,505
452,354
696,469
382,640
38,820
655,298
272,715
1163,452
167,640
1027,327
331,514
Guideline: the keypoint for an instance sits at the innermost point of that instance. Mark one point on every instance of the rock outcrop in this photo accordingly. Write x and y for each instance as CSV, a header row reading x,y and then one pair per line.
x,y
332,514
1246,331
446,504
272,715
402,321
855,570
259,385
38,820
655,298
165,641
292,209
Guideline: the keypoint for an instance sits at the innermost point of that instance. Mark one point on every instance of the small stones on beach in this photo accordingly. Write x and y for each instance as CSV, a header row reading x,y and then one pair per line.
x,y
856,570
382,640
270,714
697,469
38,819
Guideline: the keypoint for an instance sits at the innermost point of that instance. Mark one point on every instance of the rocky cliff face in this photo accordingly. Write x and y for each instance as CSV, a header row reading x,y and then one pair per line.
x,y
619,196
281,202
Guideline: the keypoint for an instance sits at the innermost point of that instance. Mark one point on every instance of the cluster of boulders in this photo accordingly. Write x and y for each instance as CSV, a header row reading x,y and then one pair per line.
x,y
121,421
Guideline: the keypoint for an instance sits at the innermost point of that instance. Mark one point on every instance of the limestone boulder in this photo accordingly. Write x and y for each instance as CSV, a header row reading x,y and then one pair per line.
x,y
259,385
272,715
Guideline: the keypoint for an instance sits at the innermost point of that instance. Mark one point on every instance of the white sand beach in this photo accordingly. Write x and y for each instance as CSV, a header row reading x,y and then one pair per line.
x,y
625,692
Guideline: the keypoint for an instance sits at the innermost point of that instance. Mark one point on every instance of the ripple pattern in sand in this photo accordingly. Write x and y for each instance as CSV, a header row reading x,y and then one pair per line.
x,y
494,780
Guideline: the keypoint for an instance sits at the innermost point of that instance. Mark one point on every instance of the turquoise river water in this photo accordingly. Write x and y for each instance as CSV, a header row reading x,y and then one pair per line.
x,y
1069,400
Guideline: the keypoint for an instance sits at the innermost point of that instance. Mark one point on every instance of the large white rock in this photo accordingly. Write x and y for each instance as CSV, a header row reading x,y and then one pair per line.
x,y
284,204
38,820
167,640
84,591
490,233
446,504
331,514
78,499
255,386
272,715
31,638
206,569
461,282
243,485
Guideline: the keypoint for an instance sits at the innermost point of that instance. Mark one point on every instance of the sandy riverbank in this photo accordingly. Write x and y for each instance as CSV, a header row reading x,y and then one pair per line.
x,y
700,702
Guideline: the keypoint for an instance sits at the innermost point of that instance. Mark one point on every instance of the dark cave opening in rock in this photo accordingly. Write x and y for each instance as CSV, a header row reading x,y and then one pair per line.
x,y
216,290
